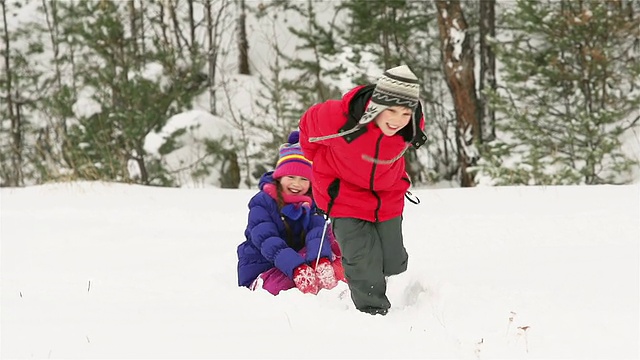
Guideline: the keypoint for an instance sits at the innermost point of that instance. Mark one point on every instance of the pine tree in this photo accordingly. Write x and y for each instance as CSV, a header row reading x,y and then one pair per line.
x,y
388,33
314,63
281,100
292,83
568,98
135,90
58,91
19,96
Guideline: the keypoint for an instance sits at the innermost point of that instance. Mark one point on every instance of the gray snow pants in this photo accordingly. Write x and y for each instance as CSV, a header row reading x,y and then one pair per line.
x,y
370,251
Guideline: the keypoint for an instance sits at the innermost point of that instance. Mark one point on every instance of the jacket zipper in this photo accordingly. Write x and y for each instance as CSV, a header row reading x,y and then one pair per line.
x,y
373,172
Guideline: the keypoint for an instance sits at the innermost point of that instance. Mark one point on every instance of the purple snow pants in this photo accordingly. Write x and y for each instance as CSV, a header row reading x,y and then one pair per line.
x,y
274,280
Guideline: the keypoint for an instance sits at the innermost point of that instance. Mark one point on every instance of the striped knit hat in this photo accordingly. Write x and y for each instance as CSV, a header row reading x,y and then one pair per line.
x,y
292,161
396,87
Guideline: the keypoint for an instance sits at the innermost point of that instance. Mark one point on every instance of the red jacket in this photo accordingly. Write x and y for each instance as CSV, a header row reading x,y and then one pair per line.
x,y
362,189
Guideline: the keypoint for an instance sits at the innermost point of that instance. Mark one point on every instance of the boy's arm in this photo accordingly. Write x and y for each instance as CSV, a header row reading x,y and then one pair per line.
x,y
319,120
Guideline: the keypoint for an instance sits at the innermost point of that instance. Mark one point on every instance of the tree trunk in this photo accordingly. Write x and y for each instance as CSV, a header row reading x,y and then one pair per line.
x,y
14,178
52,25
133,23
141,32
16,136
177,31
192,31
60,127
385,43
243,42
630,13
322,93
487,69
458,63
139,159
211,56
213,44
165,37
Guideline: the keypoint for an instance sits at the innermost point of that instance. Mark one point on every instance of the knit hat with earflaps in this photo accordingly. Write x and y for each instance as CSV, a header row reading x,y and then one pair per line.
x,y
292,161
396,87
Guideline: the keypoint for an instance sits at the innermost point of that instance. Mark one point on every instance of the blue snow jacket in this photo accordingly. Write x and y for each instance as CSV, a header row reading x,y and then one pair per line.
x,y
266,245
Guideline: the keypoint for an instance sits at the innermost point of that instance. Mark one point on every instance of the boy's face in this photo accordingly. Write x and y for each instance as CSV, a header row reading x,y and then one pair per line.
x,y
295,185
392,119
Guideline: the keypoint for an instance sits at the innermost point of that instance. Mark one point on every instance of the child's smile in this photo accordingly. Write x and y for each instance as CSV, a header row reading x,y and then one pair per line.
x,y
392,119
295,185
392,127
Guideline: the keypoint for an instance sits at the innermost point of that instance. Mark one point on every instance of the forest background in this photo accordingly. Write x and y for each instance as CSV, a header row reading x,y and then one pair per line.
x,y
203,92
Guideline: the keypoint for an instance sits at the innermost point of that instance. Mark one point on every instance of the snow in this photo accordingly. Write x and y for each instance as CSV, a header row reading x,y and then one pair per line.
x,y
153,72
198,126
102,270
631,147
200,123
366,66
86,106
456,39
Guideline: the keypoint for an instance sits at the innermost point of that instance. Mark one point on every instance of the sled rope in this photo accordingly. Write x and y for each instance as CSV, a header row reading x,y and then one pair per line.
x,y
324,232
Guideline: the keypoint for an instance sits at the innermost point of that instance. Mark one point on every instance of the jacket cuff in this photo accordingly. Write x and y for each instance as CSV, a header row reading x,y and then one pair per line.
x,y
288,260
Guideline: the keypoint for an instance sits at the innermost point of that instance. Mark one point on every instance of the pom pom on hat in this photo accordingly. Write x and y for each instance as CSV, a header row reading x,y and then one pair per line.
x,y
294,137
291,161
396,87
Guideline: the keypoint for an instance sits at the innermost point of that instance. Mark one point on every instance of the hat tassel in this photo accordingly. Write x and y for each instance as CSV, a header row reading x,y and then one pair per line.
x,y
386,162
333,136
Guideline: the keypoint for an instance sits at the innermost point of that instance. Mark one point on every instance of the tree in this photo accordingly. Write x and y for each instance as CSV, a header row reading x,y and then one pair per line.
x,y
279,103
487,68
57,103
130,103
458,65
19,95
385,34
313,64
243,42
569,75
215,25
13,175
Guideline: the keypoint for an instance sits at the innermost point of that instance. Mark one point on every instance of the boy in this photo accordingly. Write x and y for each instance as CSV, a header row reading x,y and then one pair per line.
x,y
356,146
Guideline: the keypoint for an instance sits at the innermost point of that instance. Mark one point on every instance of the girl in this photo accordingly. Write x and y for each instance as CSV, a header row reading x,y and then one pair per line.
x,y
284,233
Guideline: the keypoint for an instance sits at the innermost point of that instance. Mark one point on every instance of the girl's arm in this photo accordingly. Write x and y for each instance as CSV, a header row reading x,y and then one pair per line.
x,y
265,236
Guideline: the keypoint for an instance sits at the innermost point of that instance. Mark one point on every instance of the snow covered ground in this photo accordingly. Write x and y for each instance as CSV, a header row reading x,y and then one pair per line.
x,y
95,270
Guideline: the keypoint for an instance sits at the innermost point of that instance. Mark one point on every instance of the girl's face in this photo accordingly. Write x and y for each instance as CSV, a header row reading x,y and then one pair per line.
x,y
392,119
295,185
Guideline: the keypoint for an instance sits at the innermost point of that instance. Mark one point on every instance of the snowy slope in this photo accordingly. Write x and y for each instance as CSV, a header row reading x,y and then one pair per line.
x,y
94,270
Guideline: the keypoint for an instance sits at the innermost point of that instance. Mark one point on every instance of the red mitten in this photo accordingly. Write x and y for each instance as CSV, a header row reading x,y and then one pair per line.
x,y
305,279
326,275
